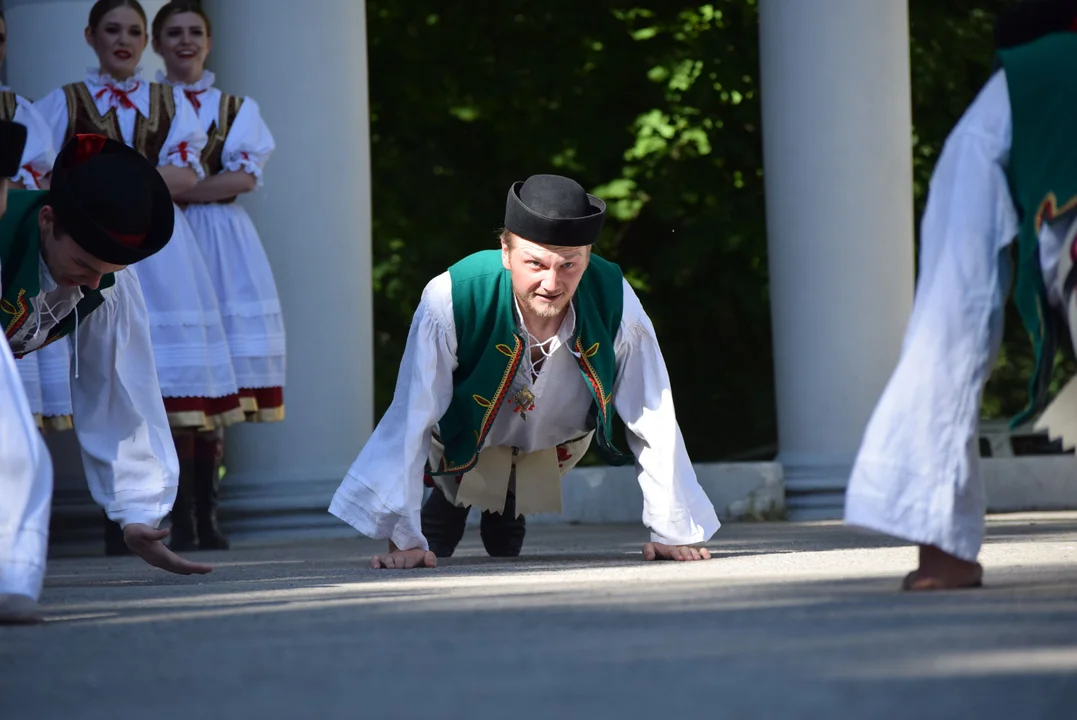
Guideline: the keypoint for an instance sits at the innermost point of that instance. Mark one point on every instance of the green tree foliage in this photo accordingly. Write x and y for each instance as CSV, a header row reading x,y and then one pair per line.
x,y
653,106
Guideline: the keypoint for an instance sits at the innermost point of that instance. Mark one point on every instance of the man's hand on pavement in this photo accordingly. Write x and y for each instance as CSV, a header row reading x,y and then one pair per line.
x,y
145,542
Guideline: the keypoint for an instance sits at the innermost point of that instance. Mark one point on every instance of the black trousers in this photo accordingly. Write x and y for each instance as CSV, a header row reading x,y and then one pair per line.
x,y
443,526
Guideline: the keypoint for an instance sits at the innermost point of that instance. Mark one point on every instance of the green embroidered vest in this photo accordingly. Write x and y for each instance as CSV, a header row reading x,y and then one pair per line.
x,y
1042,174
20,281
490,348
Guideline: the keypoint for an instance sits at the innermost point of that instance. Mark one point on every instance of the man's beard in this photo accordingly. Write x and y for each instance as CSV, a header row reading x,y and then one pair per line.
x,y
546,309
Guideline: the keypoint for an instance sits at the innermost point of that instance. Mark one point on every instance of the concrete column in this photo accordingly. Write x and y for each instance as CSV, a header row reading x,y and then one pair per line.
x,y
308,73
838,167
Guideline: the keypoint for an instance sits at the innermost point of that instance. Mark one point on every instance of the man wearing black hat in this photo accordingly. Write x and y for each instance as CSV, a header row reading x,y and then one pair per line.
x,y
1009,169
515,360
63,258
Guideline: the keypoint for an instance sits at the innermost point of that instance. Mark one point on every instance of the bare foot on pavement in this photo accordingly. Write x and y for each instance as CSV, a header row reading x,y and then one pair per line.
x,y
658,551
941,571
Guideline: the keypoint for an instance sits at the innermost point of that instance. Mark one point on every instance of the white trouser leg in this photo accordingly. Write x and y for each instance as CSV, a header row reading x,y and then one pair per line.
x,y
25,490
917,475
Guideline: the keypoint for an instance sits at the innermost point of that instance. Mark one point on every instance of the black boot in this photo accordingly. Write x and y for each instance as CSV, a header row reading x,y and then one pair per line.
x,y
443,524
114,544
207,483
503,533
182,536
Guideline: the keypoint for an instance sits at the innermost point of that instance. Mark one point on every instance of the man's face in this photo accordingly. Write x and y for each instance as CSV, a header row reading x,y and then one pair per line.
x,y
544,277
69,264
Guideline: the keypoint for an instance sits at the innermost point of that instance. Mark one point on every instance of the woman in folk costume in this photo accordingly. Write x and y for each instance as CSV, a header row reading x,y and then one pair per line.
x,y
39,153
44,374
238,148
1005,171
191,352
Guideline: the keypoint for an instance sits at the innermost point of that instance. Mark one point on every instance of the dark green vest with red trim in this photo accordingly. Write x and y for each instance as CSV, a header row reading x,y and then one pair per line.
x,y
1042,81
20,278
490,348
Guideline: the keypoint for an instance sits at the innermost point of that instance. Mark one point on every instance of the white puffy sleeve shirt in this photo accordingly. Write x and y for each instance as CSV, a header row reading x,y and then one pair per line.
x,y
39,153
249,143
119,415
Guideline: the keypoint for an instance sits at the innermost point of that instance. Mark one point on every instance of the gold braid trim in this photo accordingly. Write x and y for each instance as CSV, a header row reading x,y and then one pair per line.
x,y
8,105
81,106
218,133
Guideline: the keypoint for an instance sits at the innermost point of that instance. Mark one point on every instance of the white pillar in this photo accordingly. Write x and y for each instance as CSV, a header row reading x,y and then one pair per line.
x,y
308,73
46,46
838,170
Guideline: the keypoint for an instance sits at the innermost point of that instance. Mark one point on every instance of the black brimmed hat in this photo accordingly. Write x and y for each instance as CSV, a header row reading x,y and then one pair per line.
x,y
111,199
1032,19
12,142
554,210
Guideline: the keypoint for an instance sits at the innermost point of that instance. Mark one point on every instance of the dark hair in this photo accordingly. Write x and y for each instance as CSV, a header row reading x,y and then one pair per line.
x,y
175,8
61,219
1028,21
104,7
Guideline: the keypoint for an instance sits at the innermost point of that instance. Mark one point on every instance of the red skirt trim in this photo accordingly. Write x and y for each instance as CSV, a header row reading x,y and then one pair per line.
x,y
262,404
203,413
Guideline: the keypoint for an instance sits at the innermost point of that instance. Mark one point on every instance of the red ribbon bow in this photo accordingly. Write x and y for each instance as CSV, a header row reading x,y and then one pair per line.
x,y
192,95
117,96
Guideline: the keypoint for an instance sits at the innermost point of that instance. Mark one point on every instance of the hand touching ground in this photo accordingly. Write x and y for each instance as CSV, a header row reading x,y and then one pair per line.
x,y
145,542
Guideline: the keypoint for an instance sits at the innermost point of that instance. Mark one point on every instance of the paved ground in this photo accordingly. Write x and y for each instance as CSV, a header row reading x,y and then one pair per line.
x,y
788,621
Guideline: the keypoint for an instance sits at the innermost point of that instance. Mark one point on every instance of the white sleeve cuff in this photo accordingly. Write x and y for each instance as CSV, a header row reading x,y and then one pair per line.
x,y
193,161
244,164
686,530
380,526
26,177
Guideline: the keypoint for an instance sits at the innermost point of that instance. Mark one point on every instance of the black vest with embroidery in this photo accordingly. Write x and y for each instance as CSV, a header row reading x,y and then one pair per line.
x,y
9,103
212,155
151,131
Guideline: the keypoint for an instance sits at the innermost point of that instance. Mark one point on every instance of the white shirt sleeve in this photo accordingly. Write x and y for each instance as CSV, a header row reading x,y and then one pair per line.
x,y
382,495
53,110
675,507
186,139
39,154
119,415
249,143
